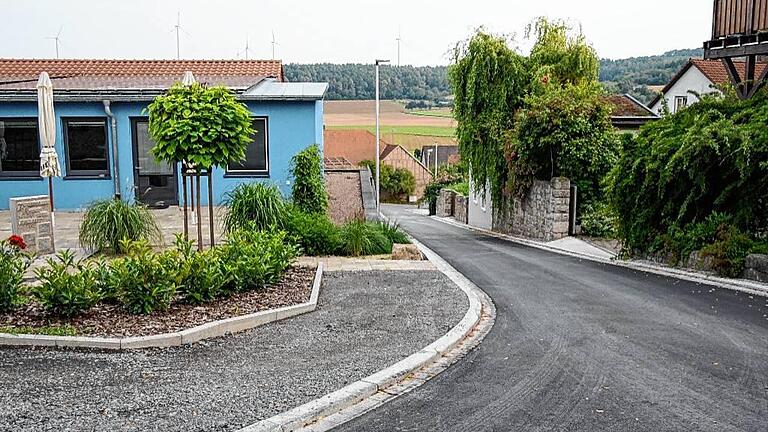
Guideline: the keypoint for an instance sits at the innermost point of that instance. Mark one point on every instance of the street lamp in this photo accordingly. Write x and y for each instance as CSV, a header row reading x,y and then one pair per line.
x,y
429,158
378,138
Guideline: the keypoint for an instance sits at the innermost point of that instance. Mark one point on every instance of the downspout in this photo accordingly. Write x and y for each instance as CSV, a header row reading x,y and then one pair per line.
x,y
115,158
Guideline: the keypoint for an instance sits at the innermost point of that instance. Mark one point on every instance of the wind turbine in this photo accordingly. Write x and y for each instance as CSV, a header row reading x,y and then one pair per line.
x,y
274,43
399,40
178,29
246,50
57,40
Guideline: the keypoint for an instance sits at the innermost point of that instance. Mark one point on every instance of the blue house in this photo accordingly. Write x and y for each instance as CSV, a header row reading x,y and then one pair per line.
x,y
102,135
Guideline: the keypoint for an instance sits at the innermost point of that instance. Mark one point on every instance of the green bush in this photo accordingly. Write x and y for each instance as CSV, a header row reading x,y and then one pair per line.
x,y
710,157
67,286
202,277
308,190
461,187
253,259
359,237
599,220
254,204
314,233
392,231
396,183
729,251
145,281
13,264
109,221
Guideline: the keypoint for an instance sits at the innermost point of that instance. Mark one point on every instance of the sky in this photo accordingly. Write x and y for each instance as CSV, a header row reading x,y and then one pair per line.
x,y
333,31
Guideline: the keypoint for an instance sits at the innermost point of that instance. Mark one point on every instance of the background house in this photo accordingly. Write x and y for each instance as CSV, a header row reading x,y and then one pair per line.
x,y
356,146
446,154
696,77
287,117
629,114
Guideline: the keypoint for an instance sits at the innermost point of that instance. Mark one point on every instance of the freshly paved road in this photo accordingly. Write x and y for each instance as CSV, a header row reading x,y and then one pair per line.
x,y
584,346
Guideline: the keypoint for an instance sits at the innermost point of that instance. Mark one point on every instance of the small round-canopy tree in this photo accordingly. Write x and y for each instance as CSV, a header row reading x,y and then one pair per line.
x,y
205,127
201,127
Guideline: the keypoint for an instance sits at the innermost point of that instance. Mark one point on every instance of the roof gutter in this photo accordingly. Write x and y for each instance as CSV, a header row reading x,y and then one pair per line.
x,y
115,158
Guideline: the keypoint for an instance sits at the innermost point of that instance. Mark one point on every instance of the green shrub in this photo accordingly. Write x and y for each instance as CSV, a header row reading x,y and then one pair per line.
x,y
109,221
729,251
253,259
254,204
13,264
308,191
710,157
395,182
599,221
67,286
392,231
145,281
461,187
202,273
363,238
314,233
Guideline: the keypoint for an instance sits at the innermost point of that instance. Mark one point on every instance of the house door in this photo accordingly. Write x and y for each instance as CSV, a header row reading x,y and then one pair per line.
x,y
155,183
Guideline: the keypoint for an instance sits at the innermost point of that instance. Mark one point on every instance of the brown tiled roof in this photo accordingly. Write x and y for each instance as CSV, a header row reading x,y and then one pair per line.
x,y
626,106
356,145
87,73
717,73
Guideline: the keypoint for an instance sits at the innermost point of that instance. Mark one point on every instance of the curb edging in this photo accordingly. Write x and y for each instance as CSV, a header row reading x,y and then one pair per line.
x,y
370,391
185,337
744,286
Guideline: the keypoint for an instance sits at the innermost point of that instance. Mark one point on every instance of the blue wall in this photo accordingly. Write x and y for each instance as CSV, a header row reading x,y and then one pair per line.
x,y
292,127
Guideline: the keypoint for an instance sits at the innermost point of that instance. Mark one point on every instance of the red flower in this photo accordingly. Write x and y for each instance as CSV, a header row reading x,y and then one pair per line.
x,y
17,241
545,79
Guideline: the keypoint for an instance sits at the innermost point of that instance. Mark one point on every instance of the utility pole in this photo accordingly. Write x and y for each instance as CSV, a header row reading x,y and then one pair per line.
x,y
378,138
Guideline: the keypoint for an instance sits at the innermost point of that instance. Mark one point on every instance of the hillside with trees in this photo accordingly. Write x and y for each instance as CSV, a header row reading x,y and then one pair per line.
x,y
430,83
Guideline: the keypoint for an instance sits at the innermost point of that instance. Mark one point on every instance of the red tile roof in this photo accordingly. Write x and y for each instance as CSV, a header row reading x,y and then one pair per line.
x,y
716,72
88,73
626,106
356,145
338,164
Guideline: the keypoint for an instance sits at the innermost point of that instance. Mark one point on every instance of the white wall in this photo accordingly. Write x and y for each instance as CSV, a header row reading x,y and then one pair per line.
x,y
692,80
480,207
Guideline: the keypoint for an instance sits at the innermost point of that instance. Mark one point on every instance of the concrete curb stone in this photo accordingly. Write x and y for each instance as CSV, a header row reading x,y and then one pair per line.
x,y
380,387
185,337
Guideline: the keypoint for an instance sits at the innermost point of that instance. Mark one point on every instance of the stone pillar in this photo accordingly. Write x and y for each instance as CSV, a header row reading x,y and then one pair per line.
x,y
31,219
542,214
445,203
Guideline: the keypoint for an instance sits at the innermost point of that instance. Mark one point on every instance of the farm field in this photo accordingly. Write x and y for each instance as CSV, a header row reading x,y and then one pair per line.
x,y
412,130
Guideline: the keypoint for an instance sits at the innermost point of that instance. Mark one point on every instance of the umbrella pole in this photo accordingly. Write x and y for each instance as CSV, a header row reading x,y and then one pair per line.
x,y
53,215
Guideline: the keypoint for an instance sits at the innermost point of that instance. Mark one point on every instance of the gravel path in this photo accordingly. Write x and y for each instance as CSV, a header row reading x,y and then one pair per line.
x,y
363,324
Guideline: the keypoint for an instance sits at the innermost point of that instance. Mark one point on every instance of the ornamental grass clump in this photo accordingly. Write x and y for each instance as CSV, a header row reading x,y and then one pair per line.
x,y
107,222
14,262
255,205
359,238
314,233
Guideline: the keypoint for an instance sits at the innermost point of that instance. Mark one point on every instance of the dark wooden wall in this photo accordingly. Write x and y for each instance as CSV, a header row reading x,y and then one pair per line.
x,y
732,17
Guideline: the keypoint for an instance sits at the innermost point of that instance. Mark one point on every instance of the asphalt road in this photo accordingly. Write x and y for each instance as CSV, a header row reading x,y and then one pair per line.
x,y
581,346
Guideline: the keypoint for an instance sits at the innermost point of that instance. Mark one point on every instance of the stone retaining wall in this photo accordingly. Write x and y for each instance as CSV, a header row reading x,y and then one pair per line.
x,y
756,268
445,203
542,214
460,208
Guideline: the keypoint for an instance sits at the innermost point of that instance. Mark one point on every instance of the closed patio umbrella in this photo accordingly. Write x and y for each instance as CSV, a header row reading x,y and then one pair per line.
x,y
49,160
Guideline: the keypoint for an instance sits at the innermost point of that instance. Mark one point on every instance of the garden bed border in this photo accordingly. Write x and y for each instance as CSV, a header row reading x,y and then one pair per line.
x,y
185,337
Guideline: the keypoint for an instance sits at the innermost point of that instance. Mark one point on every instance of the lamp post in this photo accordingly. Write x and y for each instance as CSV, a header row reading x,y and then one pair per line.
x,y
378,138
429,158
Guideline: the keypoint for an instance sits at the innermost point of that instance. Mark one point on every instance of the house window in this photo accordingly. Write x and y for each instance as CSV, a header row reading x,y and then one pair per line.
x,y
85,141
19,148
256,161
680,102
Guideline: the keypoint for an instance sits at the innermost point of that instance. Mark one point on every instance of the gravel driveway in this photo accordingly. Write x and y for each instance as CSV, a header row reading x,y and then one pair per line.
x,y
364,322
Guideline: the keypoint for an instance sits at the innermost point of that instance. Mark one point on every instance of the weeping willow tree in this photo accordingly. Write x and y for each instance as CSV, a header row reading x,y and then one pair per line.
x,y
496,88
490,81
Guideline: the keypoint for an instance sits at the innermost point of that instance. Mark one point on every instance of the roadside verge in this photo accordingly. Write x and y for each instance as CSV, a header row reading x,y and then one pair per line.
x,y
368,393
195,334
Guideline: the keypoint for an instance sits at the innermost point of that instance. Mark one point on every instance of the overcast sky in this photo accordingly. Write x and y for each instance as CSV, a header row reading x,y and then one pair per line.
x,y
334,31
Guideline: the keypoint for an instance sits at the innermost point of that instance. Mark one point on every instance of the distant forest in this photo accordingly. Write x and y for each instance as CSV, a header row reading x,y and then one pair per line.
x,y
429,83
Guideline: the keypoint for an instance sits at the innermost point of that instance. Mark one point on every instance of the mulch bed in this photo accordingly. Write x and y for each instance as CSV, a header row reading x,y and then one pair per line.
x,y
109,320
